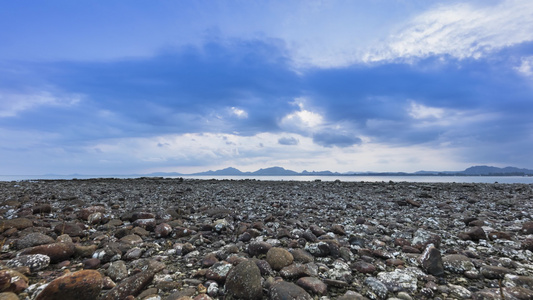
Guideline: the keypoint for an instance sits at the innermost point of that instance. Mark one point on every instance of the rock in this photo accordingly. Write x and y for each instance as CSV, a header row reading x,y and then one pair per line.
x,y
131,239
294,271
72,229
279,258
413,203
512,293
476,234
80,285
313,285
84,251
377,287
320,249
431,261
283,290
364,267
163,230
57,251
244,281
302,256
8,296
457,263
35,262
33,239
86,212
494,272
351,295
340,271
520,281
42,209
218,271
527,227
148,224
117,270
399,280
423,238
91,263
134,284
527,244
18,223
459,292
16,283
258,248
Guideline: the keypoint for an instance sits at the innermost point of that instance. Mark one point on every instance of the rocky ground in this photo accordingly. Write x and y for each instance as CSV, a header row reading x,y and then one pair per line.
x,y
216,239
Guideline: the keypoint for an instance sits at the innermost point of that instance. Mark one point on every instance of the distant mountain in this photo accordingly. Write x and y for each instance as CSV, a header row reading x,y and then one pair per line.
x,y
224,172
488,170
274,171
279,171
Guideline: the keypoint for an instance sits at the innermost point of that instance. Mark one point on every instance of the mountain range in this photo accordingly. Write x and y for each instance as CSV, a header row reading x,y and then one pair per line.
x,y
279,171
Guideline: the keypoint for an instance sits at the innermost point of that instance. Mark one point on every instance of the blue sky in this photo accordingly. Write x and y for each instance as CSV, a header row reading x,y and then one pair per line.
x,y
119,87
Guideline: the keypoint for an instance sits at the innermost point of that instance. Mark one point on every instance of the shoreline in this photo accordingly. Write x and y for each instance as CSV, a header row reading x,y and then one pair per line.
x,y
346,240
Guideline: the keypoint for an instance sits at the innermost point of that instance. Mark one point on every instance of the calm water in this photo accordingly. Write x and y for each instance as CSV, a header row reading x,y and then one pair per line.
x,y
458,179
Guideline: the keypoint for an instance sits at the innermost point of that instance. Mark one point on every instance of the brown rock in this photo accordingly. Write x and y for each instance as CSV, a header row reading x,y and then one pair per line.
x,y
56,251
294,271
8,296
33,239
72,229
80,285
302,256
364,267
218,271
86,212
42,209
313,285
91,263
244,281
18,223
477,234
279,258
18,282
163,230
431,261
258,248
282,290
527,227
494,272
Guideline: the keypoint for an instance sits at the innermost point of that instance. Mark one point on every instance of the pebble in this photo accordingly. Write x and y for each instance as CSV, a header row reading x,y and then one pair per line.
x,y
278,258
244,281
35,262
287,290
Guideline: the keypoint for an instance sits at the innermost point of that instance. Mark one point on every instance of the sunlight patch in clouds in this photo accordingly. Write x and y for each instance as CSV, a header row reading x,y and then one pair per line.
x,y
240,113
460,30
419,111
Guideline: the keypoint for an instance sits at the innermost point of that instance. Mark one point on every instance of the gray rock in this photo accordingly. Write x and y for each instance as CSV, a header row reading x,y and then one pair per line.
x,y
399,280
431,261
313,285
244,281
33,239
283,290
377,287
35,262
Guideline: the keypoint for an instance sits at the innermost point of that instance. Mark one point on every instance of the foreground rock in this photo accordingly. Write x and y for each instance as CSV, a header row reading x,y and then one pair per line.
x,y
81,285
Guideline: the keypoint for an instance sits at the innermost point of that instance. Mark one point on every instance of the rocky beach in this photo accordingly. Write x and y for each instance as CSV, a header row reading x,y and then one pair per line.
x,y
157,238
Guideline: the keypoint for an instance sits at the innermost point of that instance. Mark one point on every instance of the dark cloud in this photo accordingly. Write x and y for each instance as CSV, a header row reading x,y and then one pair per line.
x,y
289,141
330,139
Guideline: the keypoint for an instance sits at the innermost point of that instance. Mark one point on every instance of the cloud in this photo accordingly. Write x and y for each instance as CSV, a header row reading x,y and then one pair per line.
x,y
12,104
460,31
288,141
419,111
330,139
526,66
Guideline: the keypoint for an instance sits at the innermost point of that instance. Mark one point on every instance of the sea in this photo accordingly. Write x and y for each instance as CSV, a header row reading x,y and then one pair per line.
x,y
345,178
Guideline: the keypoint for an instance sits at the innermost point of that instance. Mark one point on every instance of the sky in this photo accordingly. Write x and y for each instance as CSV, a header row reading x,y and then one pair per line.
x,y
134,87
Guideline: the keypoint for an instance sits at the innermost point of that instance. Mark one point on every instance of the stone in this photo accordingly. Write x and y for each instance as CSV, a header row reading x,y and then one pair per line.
x,y
279,258
302,256
294,271
399,280
527,227
33,239
35,262
91,263
313,285
163,230
431,261
283,290
364,267
244,281
423,238
86,212
494,272
459,292
476,234
80,285
377,287
18,223
17,281
72,229
457,263
117,270
147,224
134,284
84,251
8,296
131,239
218,271
258,248
57,251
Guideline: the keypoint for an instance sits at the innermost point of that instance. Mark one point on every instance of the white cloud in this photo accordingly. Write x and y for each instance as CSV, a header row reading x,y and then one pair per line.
x,y
302,119
240,113
526,66
419,111
460,30
13,104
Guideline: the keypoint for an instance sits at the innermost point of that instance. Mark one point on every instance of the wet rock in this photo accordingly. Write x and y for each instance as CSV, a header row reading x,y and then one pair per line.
x,y
244,281
287,290
80,285
279,258
431,261
313,285
134,284
163,230
35,262
57,251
